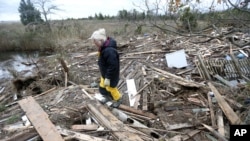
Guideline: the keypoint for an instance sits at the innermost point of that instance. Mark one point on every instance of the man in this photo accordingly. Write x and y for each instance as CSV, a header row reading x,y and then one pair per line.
x,y
109,65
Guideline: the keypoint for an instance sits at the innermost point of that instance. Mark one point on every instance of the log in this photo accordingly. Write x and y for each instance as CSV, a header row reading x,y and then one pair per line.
x,y
184,137
177,126
228,111
40,119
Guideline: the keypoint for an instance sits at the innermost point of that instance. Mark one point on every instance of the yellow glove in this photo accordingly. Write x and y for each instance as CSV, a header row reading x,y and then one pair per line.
x,y
106,82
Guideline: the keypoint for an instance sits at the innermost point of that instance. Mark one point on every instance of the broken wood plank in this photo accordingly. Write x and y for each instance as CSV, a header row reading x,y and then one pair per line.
x,y
82,127
222,138
223,80
184,137
178,126
210,104
22,136
177,79
145,101
40,120
79,136
220,122
108,120
228,111
136,111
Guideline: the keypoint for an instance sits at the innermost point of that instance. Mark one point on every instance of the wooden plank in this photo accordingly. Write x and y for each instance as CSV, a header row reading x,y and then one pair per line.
x,y
184,137
145,101
80,127
107,119
79,136
228,111
136,111
211,110
40,120
222,138
177,79
220,122
178,126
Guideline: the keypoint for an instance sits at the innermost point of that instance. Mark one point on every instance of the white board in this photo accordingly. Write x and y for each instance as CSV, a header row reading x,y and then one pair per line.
x,y
176,59
131,91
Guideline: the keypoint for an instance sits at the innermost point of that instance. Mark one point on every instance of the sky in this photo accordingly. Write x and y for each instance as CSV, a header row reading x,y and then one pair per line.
x,y
78,8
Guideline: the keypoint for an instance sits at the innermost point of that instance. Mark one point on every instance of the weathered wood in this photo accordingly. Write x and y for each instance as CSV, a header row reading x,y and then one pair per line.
x,y
228,111
236,65
220,122
177,126
177,79
80,127
184,137
223,80
136,111
108,120
207,75
79,136
185,71
22,136
222,138
210,104
40,120
145,101
145,52
46,92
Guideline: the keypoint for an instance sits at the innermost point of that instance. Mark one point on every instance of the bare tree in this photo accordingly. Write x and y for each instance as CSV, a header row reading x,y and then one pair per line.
x,y
46,8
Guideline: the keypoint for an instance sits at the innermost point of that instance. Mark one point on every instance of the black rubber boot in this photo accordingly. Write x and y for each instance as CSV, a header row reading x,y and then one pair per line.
x,y
117,103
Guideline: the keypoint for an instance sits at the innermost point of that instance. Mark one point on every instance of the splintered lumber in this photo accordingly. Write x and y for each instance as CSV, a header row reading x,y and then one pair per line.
x,y
81,127
177,79
211,110
222,138
40,119
223,80
23,135
137,111
108,120
228,111
220,122
184,137
79,136
177,126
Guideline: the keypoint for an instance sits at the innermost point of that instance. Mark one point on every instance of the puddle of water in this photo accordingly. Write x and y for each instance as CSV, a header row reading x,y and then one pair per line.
x,y
15,62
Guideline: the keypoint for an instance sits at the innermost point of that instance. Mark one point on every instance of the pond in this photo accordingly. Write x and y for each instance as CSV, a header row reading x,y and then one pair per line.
x,y
12,63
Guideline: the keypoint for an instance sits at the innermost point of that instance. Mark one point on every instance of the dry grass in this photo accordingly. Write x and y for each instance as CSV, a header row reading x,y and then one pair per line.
x,y
14,37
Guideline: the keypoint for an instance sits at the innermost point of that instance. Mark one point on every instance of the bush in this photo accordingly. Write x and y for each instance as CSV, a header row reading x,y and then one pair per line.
x,y
188,19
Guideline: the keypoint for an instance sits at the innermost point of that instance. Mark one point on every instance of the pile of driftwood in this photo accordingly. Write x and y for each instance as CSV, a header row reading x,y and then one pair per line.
x,y
197,101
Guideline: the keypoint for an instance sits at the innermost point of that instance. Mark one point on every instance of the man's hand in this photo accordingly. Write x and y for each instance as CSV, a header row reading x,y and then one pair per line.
x,y
106,82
